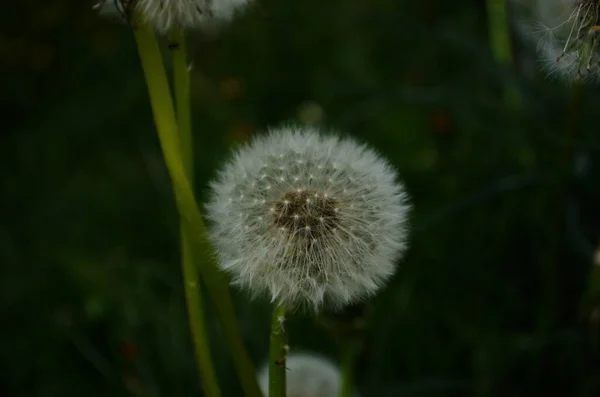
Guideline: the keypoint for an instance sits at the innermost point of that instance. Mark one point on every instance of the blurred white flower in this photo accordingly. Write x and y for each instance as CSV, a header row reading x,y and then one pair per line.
x,y
567,35
184,14
309,219
307,375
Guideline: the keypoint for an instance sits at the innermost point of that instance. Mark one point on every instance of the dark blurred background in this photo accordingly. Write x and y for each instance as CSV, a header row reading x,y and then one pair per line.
x,y
491,300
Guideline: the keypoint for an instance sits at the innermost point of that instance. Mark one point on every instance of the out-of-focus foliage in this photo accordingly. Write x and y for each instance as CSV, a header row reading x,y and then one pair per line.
x,y
488,302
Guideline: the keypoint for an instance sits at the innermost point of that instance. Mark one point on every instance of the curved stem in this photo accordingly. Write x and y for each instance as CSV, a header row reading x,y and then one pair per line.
x,y
160,98
196,318
181,79
277,354
192,287
166,126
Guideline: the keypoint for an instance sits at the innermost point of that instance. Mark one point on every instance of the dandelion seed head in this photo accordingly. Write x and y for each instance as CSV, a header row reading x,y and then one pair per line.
x,y
330,232
568,66
183,14
567,37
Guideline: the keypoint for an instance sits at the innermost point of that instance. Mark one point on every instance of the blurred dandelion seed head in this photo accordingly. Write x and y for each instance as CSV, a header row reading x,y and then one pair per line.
x,y
168,14
308,375
310,219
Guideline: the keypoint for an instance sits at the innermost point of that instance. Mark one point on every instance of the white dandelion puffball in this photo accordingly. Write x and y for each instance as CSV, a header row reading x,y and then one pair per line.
x,y
307,375
184,14
310,219
569,38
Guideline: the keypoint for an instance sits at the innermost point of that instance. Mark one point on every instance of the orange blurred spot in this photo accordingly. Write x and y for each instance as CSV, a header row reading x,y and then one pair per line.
x,y
441,122
240,132
129,350
231,88
40,56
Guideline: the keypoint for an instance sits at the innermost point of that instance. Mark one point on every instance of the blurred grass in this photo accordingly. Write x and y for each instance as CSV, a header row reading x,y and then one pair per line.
x,y
487,301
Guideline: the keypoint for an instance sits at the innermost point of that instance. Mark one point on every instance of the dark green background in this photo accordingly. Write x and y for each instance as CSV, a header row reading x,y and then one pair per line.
x,y
489,301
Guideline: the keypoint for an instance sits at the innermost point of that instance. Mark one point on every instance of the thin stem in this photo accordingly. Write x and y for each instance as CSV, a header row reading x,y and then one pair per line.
x,y
277,354
166,126
181,83
347,367
500,43
196,318
499,31
192,286
592,298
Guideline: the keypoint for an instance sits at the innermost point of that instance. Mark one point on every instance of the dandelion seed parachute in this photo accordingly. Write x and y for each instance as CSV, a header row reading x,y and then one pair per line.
x,y
184,14
307,375
567,37
310,219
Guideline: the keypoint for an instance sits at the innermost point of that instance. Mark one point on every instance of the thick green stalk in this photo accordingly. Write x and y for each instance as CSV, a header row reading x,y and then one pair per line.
x,y
166,126
192,286
277,354
347,368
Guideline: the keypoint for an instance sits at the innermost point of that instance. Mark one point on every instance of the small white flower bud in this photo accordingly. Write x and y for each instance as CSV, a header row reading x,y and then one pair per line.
x,y
184,14
307,375
309,219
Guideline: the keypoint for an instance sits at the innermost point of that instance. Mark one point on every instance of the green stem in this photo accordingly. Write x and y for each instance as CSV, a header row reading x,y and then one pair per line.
x,y
499,31
192,288
166,126
347,367
193,297
277,354
181,83
500,43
